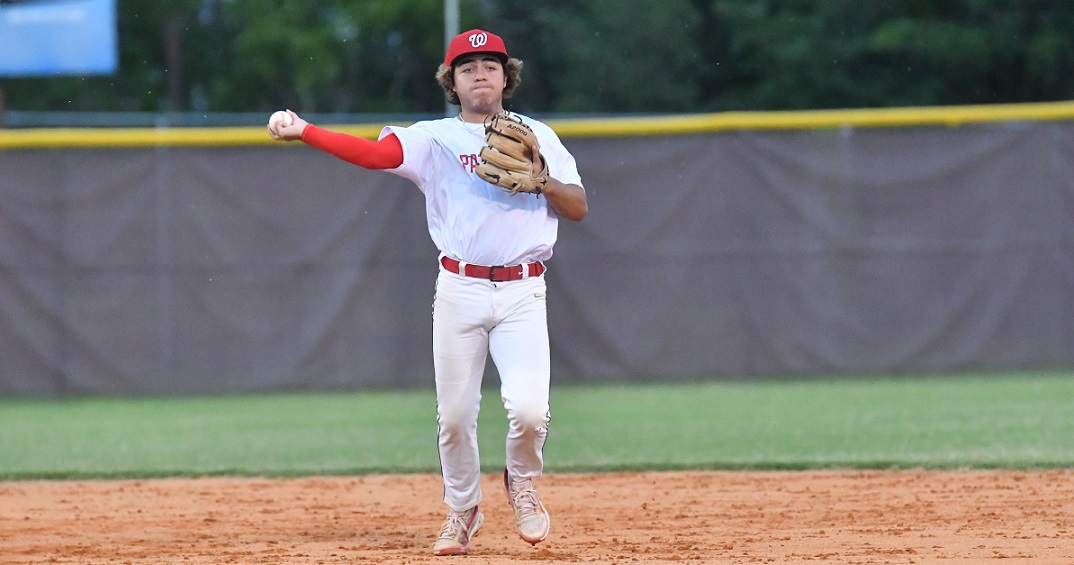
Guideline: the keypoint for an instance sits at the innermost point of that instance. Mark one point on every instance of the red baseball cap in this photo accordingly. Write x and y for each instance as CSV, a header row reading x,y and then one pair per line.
x,y
475,41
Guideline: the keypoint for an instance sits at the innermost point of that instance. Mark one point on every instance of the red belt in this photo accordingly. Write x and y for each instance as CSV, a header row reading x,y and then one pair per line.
x,y
494,274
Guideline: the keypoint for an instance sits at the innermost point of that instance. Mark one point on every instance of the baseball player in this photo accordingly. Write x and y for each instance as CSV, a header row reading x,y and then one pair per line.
x,y
496,185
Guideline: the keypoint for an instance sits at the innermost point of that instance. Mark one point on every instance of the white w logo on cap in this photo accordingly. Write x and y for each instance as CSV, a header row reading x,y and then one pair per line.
x,y
478,39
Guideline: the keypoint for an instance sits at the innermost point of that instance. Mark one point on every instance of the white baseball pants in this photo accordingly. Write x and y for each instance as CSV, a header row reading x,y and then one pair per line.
x,y
473,318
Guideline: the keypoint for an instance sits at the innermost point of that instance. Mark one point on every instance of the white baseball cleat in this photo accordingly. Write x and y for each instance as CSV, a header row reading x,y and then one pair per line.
x,y
531,517
458,529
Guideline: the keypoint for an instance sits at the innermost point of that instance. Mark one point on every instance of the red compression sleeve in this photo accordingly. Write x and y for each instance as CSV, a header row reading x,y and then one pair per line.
x,y
384,154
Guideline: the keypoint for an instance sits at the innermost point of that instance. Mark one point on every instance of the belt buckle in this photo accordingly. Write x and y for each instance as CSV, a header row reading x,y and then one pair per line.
x,y
507,276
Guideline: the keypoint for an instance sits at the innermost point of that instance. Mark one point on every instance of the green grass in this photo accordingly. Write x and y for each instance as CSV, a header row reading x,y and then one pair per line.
x,y
1008,420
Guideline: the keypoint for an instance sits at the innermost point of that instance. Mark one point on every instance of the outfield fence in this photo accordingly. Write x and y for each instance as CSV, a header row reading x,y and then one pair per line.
x,y
735,245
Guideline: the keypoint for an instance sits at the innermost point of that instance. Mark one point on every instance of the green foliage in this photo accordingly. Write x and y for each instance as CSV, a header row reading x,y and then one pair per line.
x,y
610,55
792,55
328,56
584,56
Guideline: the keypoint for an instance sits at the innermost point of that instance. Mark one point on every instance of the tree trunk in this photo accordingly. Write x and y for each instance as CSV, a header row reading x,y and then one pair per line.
x,y
173,62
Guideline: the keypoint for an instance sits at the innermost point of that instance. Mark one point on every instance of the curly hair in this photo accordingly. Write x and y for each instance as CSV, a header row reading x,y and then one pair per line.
x,y
512,69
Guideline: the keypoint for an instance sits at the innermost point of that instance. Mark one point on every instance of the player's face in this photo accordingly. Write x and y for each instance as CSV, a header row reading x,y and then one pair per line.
x,y
479,82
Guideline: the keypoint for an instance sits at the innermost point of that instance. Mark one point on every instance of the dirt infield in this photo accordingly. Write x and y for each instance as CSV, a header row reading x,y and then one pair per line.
x,y
841,517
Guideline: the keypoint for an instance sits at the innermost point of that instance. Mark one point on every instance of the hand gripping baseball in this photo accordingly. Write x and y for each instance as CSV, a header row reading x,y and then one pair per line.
x,y
286,126
509,158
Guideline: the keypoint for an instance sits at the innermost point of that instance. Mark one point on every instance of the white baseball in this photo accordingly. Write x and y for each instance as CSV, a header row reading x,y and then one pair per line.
x,y
280,118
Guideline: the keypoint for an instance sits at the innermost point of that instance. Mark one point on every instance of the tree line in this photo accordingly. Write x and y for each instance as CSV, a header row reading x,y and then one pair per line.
x,y
581,56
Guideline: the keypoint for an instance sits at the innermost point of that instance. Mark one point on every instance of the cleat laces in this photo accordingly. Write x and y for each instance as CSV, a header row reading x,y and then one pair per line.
x,y
454,528
524,499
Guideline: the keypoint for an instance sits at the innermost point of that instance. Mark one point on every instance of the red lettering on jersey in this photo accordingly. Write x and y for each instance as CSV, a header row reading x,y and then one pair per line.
x,y
470,161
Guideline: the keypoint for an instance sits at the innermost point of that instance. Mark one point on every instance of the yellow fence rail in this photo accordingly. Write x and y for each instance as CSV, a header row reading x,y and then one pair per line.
x,y
678,124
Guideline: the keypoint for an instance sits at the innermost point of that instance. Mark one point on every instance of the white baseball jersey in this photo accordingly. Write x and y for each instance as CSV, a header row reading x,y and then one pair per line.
x,y
470,219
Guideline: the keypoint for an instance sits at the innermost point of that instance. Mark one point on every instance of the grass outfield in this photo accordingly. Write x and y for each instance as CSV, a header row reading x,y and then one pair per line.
x,y
1004,420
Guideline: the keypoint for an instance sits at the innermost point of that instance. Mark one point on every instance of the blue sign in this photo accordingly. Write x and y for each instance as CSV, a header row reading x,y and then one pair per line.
x,y
58,37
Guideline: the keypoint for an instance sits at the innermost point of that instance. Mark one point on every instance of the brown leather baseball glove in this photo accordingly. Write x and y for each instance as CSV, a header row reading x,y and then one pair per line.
x,y
506,162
